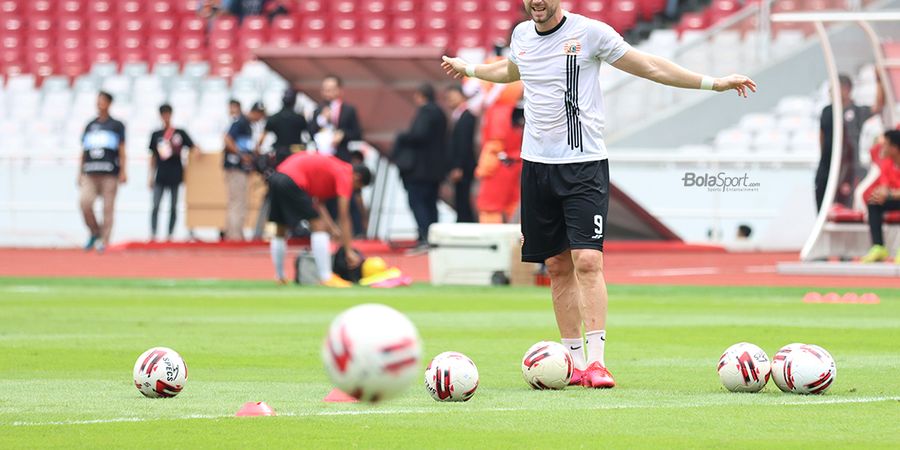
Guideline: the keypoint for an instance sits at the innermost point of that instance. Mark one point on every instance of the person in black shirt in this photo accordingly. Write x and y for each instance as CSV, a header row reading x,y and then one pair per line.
x,y
288,128
238,163
102,169
336,113
850,172
166,169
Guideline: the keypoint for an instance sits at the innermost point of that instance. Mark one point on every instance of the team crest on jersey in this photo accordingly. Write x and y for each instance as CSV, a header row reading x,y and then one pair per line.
x,y
572,47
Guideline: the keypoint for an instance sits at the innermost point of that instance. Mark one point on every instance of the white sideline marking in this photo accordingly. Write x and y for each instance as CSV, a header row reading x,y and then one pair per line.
x,y
375,411
676,272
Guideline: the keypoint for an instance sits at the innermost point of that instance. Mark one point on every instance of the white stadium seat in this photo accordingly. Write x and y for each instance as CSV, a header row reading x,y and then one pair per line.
x,y
771,141
757,122
733,140
796,106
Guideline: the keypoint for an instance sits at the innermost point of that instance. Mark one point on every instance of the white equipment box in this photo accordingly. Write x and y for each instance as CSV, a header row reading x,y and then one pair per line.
x,y
470,253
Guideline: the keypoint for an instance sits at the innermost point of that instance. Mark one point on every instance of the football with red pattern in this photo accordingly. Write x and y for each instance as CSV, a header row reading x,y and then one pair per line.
x,y
744,367
160,373
547,365
451,377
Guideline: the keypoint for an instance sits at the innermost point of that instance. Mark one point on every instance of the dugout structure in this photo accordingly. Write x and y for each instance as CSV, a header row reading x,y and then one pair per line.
x,y
837,232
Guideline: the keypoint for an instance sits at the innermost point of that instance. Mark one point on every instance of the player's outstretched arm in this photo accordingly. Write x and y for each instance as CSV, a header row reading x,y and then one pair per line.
x,y
503,71
661,70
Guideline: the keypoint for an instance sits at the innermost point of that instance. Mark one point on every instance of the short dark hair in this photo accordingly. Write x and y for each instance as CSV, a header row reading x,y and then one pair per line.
x,y
337,79
892,137
234,102
165,108
426,90
356,154
845,81
289,99
365,175
258,107
106,95
744,230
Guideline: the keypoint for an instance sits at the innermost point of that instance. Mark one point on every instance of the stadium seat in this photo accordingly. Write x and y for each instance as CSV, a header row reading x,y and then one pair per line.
x,y
313,7
254,33
10,8
193,27
224,62
404,6
39,8
732,140
338,7
406,31
98,8
757,122
720,9
647,9
469,33
805,141
344,31
795,106
771,141
314,30
464,7
622,15
595,9
376,7
284,31
512,9
192,49
692,21
376,30
159,8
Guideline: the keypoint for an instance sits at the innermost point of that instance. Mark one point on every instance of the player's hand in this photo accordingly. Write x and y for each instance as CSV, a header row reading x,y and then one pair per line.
x,y
150,183
123,178
455,175
879,195
454,67
353,259
740,83
337,138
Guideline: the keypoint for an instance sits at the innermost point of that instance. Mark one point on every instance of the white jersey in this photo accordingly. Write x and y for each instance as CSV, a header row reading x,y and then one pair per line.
x,y
560,70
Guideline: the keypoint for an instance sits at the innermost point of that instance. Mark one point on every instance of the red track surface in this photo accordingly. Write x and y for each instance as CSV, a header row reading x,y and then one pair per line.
x,y
695,266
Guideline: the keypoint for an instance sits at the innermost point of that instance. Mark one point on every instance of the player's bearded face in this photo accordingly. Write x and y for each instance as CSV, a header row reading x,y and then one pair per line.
x,y
541,10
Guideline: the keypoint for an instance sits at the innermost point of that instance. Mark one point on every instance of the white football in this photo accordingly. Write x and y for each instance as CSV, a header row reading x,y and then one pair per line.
x,y
547,365
451,377
160,372
372,352
778,367
744,367
809,369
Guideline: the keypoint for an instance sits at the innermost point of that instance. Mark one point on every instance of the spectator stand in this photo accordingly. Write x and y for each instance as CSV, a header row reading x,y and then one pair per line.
x,y
839,232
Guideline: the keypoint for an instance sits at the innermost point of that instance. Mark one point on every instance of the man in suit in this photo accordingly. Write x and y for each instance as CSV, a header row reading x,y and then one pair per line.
x,y
340,115
425,140
462,152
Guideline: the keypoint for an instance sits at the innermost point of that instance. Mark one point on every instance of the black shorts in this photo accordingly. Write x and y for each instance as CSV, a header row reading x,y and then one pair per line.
x,y
290,204
564,207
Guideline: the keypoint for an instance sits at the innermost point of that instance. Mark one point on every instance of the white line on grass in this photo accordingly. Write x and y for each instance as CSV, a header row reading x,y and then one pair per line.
x,y
376,411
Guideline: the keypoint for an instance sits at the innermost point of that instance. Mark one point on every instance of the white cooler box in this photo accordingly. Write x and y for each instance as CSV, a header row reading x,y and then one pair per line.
x,y
470,253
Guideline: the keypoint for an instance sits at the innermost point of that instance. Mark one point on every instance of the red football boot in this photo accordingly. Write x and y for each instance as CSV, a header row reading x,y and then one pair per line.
x,y
577,377
597,376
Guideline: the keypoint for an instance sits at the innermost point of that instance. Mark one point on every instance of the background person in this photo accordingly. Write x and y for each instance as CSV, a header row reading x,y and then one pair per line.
x,y
462,152
338,115
882,196
425,143
166,167
297,191
238,163
102,170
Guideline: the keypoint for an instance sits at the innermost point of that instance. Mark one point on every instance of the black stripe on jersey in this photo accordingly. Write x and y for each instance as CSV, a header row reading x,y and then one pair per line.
x,y
573,113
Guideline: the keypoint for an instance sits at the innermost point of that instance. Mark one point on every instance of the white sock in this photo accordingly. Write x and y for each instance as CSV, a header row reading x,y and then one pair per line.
x,y
576,349
278,248
320,243
595,341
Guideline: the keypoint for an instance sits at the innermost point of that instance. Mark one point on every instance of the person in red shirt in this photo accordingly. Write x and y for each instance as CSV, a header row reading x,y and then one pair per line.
x,y
297,191
884,195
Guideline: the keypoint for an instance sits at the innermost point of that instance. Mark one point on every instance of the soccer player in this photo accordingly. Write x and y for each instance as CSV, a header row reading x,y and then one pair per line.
x,y
297,191
882,196
565,175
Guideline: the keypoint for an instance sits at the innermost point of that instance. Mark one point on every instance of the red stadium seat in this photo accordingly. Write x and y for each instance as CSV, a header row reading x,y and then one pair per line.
x,y
130,8
506,8
405,6
12,26
100,48
10,8
71,34
344,30
101,8
467,7
376,30
159,8
224,64
39,8
284,31
692,21
622,15
254,33
70,8
192,26
131,48
375,7
192,49
186,7
314,30
161,49
499,29
649,8
469,32
134,28
313,7
595,9
41,25
167,25
437,39
406,31
39,53
342,6
720,9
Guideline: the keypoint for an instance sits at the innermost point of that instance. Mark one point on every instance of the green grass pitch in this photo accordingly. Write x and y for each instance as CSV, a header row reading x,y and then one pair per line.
x,y
67,348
